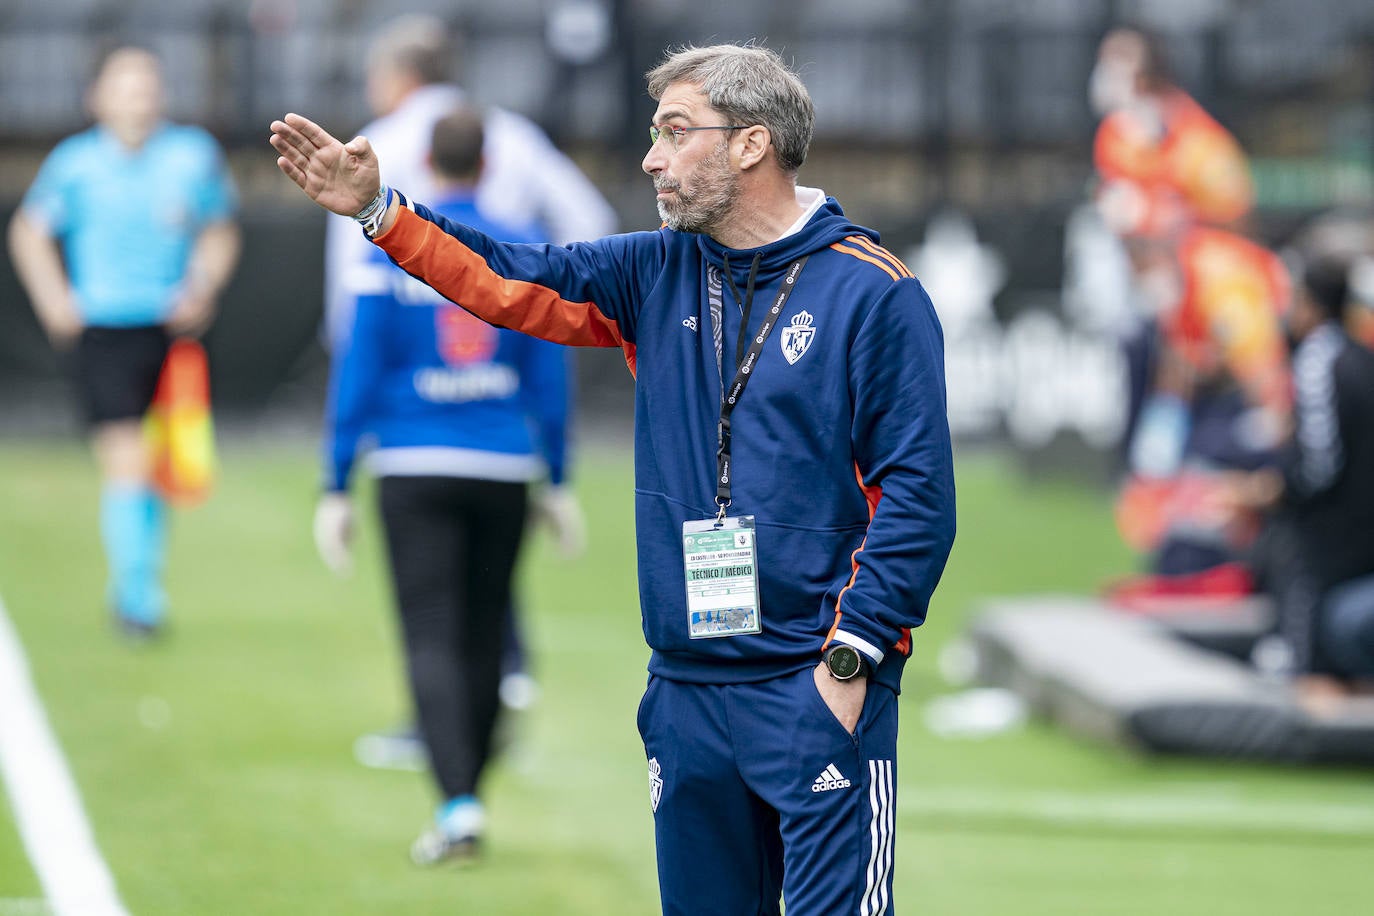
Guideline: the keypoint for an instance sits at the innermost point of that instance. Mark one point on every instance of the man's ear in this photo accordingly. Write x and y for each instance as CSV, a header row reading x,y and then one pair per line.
x,y
757,144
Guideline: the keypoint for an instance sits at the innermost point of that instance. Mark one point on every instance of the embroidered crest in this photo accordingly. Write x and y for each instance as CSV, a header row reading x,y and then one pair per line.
x,y
797,337
655,783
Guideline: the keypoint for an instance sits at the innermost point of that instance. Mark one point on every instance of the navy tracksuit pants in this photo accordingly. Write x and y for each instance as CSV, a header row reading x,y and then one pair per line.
x,y
759,793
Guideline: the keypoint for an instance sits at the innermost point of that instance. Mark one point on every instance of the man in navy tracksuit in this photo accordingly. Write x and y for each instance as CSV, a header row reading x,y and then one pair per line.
x,y
794,482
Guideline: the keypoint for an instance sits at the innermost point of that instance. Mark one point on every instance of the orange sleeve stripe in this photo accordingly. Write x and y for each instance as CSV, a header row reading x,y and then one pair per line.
x,y
904,644
461,275
872,495
839,614
883,253
869,258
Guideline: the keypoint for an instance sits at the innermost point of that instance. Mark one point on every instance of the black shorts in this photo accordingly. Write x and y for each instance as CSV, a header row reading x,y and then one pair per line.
x,y
117,371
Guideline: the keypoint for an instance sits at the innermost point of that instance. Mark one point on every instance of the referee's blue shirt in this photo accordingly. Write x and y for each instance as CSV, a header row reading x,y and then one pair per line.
x,y
127,219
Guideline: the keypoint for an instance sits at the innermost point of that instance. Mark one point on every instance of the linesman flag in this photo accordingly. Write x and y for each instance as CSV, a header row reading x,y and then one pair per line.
x,y
179,427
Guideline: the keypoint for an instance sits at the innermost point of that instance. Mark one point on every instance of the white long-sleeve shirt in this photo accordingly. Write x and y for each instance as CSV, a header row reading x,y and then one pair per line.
x,y
526,181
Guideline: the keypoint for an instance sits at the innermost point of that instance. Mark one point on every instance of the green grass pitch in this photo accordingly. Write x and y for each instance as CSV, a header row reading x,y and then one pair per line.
x,y
216,769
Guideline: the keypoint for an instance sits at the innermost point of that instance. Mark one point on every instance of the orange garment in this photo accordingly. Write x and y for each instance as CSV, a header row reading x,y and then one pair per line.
x,y
1361,326
1185,164
1234,292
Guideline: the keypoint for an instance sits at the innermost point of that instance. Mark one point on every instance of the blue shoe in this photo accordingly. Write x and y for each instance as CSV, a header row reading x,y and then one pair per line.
x,y
456,836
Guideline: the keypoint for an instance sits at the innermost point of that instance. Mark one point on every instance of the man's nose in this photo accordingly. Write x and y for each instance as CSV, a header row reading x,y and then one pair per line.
x,y
655,160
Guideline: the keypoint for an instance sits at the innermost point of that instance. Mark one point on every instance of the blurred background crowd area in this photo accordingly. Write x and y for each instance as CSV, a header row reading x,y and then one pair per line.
x,y
924,108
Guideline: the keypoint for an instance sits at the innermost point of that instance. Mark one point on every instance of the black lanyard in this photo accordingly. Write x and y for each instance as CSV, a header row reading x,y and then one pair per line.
x,y
744,370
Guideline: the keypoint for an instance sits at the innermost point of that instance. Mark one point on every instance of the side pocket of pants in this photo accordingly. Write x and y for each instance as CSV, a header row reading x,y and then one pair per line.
x,y
642,714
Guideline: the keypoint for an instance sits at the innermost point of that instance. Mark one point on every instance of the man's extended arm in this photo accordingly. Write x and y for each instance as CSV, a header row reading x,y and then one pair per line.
x,y
583,295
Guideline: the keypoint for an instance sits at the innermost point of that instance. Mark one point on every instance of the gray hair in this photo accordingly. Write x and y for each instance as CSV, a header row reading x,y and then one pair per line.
x,y
748,85
417,44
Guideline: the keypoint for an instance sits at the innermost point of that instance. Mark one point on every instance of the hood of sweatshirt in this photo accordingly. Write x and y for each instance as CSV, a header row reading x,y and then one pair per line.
x,y
826,226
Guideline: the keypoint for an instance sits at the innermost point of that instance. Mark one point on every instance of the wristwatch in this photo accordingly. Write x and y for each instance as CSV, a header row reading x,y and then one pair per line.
x,y
846,662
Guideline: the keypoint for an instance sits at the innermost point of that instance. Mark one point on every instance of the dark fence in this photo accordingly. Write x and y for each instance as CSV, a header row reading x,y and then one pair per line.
x,y
921,105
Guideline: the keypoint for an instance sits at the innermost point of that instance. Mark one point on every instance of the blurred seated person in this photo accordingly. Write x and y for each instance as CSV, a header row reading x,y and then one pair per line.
x,y
1318,555
1215,390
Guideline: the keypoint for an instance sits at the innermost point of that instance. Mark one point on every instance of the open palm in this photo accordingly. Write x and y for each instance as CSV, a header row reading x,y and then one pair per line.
x,y
341,177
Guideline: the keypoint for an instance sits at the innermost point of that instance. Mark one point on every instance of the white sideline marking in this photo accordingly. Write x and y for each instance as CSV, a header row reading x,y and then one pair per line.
x,y
44,798
1140,811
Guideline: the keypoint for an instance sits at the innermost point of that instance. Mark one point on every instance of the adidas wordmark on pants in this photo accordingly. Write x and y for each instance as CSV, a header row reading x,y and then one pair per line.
x,y
832,778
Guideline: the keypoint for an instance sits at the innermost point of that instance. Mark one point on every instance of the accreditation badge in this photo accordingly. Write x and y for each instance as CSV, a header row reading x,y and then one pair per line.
x,y
721,559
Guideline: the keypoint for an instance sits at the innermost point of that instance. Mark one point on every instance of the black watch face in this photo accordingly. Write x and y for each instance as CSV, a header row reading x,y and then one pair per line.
x,y
843,662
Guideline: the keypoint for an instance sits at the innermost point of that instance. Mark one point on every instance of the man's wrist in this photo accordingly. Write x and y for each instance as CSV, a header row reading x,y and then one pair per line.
x,y
870,651
370,217
845,663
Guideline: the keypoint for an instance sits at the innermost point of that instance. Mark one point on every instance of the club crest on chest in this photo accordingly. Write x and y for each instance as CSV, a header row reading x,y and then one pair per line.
x,y
796,337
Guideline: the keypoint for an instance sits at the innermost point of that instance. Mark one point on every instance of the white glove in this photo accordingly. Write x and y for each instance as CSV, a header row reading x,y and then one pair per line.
x,y
558,507
334,532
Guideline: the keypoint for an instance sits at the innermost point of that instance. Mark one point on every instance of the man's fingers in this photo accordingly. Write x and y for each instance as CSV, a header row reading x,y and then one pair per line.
x,y
288,134
358,146
310,131
289,152
291,171
288,138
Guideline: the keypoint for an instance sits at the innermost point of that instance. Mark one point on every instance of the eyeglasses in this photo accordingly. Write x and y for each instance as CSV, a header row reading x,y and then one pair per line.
x,y
676,135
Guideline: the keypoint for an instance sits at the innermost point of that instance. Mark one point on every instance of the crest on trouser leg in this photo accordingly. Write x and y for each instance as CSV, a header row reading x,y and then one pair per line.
x,y
655,783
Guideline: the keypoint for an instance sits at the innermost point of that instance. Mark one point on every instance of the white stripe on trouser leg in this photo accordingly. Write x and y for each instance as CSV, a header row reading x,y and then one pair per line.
x,y
867,908
890,817
880,829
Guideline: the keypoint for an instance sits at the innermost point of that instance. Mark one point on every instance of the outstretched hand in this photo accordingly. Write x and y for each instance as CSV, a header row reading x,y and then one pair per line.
x,y
341,177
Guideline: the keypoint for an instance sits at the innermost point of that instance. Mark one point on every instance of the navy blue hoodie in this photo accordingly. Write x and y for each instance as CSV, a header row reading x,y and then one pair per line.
x,y
841,451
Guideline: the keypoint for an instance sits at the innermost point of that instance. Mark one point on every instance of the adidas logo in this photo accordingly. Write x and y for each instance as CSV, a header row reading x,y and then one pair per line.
x,y
830,779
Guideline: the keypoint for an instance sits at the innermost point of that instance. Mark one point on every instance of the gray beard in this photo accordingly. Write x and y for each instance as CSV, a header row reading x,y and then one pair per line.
x,y
709,204
688,220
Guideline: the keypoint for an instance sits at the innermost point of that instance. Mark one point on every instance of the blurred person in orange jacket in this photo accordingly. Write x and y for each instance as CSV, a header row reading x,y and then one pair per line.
x,y
1157,146
1208,364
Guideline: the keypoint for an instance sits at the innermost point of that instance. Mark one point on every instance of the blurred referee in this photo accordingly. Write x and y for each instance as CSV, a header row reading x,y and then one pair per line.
x,y
125,239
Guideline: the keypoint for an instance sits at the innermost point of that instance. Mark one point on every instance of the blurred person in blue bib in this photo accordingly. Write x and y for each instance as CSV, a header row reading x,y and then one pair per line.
x,y
125,240
525,181
464,418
